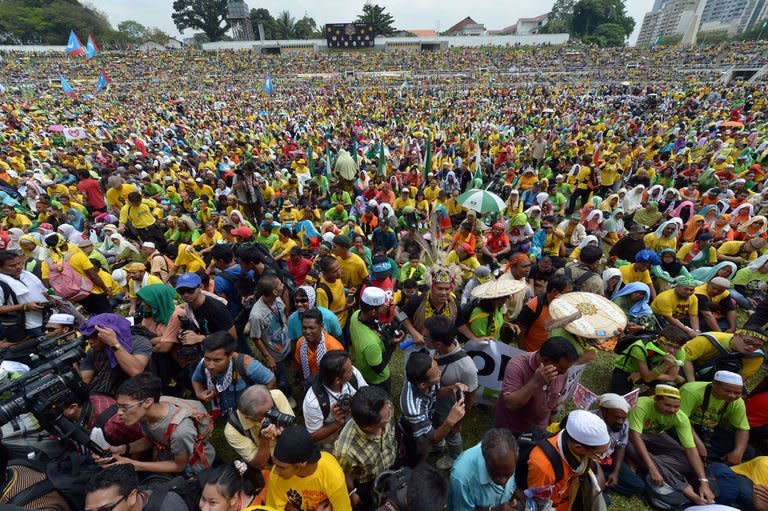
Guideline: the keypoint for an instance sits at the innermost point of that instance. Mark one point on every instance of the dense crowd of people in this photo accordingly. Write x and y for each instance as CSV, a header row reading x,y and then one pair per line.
x,y
274,292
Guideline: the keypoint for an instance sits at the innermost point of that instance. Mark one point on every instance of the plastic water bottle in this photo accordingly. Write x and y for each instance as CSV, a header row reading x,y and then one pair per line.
x,y
406,343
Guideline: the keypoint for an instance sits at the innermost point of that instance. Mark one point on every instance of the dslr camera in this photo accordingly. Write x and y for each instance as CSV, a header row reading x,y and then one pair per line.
x,y
394,328
191,353
344,402
278,418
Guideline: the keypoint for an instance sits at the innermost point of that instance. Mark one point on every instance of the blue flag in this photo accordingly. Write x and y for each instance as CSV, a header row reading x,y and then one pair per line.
x,y
74,46
90,48
67,88
268,88
101,83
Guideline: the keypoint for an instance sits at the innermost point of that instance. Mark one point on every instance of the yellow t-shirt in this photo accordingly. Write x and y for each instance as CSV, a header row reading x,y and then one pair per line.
x,y
629,274
683,252
582,178
338,298
401,203
609,174
733,248
140,216
657,243
756,470
470,262
431,193
147,280
118,197
353,270
700,348
78,261
667,303
246,446
205,241
280,247
19,220
702,290
327,482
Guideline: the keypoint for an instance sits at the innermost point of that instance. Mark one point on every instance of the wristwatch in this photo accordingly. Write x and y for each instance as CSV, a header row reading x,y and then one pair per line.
x,y
117,347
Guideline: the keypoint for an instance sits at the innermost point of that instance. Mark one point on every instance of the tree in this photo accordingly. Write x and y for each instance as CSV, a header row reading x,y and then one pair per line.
x,y
559,19
132,31
607,34
374,14
285,26
305,28
49,22
264,18
588,15
205,15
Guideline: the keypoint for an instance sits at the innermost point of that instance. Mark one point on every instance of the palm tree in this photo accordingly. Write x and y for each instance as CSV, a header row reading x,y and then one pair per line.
x,y
285,26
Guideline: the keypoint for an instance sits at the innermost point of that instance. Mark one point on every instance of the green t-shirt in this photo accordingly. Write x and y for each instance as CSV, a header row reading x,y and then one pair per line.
x,y
638,350
731,415
367,350
267,241
557,200
746,277
483,324
645,419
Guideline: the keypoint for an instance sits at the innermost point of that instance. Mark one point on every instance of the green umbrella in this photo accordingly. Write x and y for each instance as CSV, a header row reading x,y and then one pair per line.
x,y
481,201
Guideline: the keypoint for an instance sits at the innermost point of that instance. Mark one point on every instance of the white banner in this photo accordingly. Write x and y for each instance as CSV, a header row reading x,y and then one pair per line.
x,y
491,359
75,133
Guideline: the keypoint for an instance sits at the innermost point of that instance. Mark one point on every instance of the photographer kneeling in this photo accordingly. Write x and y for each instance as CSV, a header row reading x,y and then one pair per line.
x,y
327,401
22,297
253,428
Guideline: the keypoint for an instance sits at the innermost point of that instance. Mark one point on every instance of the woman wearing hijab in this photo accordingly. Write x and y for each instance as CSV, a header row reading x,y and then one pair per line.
x,y
752,228
612,282
668,270
589,239
741,215
34,251
76,219
304,299
710,214
69,233
647,216
633,200
613,228
664,237
520,233
188,260
127,252
721,230
594,222
634,300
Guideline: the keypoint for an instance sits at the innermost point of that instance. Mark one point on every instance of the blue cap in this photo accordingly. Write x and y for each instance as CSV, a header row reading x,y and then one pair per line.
x,y
190,280
647,256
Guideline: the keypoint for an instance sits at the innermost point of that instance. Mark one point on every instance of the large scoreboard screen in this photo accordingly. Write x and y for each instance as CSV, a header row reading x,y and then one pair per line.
x,y
349,35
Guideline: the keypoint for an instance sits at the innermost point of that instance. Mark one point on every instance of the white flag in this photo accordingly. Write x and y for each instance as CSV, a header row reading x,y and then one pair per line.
x,y
75,133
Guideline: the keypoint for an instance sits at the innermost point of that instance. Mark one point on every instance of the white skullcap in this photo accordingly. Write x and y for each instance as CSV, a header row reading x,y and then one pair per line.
x,y
372,203
120,277
328,236
613,401
720,281
729,377
587,428
62,319
85,242
374,296
148,244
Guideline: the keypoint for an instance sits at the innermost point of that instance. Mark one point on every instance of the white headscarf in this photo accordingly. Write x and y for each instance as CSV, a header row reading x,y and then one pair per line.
x,y
758,263
633,199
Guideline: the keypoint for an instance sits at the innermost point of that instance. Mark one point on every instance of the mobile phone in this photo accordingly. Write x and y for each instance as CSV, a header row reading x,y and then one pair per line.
x,y
459,395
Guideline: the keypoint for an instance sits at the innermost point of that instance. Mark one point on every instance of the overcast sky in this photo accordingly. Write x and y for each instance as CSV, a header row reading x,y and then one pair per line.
x,y
408,14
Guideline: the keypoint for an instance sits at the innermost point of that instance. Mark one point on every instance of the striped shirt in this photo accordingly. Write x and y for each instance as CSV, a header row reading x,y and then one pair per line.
x,y
416,409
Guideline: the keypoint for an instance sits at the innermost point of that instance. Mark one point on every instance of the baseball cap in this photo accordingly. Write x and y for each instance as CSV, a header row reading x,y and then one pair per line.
x,y
189,280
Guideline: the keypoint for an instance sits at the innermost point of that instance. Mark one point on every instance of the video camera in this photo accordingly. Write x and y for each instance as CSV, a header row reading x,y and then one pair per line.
x,y
34,352
394,328
45,390
278,418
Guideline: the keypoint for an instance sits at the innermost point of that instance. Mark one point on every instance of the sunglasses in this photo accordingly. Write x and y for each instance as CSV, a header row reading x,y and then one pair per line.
x,y
186,290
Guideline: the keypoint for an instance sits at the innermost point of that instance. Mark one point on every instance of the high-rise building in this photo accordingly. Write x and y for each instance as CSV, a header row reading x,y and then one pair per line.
x,y
672,17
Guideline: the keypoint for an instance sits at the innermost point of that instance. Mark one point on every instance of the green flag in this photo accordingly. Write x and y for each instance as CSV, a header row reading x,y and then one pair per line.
x,y
310,160
428,159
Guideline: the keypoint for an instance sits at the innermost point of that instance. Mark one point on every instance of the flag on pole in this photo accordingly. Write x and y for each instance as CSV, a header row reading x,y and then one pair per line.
x,y
74,46
75,133
428,158
382,160
101,83
268,87
354,152
327,161
2,89
67,88
90,48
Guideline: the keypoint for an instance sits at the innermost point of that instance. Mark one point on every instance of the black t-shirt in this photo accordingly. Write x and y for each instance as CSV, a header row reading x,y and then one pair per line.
x,y
213,316
626,248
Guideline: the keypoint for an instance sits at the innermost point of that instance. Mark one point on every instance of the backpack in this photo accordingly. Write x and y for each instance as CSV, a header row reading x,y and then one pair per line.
x,y
66,282
194,410
13,323
187,488
625,342
723,361
69,475
170,266
579,281
237,285
322,396
390,488
664,497
327,291
526,445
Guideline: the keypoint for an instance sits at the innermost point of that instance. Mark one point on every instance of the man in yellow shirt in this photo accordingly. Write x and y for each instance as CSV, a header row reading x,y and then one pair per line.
x,y
639,271
583,179
137,217
404,200
330,289
679,306
13,219
717,309
138,277
117,193
354,271
610,172
743,346
740,252
283,245
303,477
